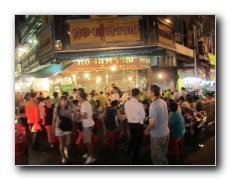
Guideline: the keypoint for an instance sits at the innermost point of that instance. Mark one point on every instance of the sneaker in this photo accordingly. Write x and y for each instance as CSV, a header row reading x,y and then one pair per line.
x,y
63,160
90,160
51,145
85,156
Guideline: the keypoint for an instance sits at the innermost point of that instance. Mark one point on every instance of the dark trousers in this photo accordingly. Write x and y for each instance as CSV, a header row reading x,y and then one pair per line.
x,y
134,146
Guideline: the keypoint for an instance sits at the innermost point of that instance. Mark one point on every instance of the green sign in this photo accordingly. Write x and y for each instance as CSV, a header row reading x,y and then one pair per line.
x,y
66,88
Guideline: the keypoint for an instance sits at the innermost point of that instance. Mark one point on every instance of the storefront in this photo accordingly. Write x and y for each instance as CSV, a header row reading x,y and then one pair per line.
x,y
96,73
117,50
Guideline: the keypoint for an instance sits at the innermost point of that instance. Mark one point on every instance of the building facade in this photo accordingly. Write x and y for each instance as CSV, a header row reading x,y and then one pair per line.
x,y
95,51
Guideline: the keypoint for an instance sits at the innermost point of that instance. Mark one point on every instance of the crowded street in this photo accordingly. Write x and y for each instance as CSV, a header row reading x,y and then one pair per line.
x,y
125,90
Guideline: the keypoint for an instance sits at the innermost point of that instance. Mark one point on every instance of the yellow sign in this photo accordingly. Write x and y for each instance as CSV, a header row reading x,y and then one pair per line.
x,y
212,59
100,31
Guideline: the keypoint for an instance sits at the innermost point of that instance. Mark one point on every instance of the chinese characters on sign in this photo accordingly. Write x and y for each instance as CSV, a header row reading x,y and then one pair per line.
x,y
119,63
99,31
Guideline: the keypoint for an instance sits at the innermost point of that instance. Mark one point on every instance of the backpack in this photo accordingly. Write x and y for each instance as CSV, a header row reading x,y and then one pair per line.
x,y
65,123
110,123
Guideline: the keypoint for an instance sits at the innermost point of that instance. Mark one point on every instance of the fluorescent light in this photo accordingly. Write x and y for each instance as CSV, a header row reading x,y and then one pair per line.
x,y
167,20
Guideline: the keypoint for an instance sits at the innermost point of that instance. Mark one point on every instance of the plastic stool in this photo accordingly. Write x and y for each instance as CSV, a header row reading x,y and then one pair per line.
x,y
20,143
175,147
112,138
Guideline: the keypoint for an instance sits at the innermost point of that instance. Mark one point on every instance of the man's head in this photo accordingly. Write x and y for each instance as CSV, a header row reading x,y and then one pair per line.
x,y
181,99
173,107
153,91
75,102
66,94
71,98
79,91
114,104
115,89
33,95
209,95
145,104
55,94
83,96
182,88
74,91
101,92
136,92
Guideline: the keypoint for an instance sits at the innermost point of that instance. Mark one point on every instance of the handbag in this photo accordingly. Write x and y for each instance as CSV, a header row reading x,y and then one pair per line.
x,y
36,127
65,124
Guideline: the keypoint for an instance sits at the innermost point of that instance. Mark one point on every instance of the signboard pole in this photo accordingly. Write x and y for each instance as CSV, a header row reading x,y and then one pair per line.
x,y
194,50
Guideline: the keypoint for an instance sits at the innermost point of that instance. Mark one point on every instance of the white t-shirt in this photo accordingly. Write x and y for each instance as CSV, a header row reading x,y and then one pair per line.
x,y
115,97
86,107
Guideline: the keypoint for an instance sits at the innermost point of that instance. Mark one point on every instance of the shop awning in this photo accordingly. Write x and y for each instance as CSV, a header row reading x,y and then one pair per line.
x,y
144,51
47,71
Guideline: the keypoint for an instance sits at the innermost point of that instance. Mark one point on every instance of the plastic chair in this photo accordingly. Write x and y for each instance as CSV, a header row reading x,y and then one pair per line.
x,y
79,141
175,147
112,138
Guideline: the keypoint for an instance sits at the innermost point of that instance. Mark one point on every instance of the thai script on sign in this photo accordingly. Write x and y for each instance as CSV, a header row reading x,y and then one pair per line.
x,y
102,31
107,61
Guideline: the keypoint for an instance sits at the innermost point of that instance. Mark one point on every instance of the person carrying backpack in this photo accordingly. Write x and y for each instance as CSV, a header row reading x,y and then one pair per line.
x,y
111,117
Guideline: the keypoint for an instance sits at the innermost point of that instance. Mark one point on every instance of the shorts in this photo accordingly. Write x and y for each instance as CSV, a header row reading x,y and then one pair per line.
x,y
87,134
59,132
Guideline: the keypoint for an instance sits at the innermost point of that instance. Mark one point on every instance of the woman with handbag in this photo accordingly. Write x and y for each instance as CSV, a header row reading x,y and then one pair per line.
x,y
63,126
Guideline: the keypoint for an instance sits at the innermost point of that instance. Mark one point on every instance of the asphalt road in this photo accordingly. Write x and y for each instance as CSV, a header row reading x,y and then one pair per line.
x,y
202,153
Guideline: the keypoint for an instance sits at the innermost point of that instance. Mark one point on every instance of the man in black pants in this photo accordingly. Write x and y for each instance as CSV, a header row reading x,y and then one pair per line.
x,y
135,114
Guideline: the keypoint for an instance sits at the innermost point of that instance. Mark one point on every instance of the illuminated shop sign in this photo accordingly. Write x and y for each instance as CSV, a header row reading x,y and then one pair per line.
x,y
113,63
99,31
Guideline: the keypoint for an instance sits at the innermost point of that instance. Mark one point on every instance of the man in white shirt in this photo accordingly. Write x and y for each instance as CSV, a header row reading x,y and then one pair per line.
x,y
86,114
115,95
175,95
135,115
183,92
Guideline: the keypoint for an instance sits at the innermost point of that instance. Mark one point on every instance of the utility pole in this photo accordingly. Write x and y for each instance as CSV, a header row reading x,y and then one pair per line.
x,y
194,50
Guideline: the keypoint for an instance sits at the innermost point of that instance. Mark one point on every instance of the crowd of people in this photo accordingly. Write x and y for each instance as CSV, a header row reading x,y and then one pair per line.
x,y
140,112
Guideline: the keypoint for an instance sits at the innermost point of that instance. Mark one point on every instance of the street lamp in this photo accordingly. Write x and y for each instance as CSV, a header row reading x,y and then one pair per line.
x,y
161,76
113,68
